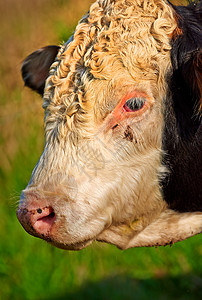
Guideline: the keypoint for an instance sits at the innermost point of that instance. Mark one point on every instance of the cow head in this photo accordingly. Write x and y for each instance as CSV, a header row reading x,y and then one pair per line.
x,y
103,171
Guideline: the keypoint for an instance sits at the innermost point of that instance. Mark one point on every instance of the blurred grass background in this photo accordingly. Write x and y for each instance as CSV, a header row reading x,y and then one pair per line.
x,y
29,267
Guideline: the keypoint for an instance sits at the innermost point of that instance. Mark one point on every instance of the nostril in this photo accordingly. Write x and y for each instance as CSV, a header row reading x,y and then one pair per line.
x,y
44,220
47,218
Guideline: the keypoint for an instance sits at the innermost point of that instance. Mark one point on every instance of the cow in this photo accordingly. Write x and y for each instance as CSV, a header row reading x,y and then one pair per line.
x,y
122,156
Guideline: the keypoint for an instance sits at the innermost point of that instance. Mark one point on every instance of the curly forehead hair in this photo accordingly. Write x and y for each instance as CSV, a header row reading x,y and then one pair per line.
x,y
131,34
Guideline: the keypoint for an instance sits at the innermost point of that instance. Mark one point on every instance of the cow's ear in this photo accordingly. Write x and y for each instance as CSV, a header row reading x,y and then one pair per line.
x,y
35,68
186,54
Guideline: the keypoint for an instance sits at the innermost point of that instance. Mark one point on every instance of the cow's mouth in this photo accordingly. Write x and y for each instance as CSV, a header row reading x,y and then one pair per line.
x,y
40,222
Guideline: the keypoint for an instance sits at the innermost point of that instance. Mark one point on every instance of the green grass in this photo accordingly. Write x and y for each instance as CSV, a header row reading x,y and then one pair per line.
x,y
30,269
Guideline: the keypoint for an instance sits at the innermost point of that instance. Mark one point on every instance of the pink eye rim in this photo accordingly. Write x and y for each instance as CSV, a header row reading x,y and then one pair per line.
x,y
134,104
146,103
122,114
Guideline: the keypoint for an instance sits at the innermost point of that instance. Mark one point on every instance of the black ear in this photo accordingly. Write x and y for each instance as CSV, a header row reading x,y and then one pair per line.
x,y
35,68
186,54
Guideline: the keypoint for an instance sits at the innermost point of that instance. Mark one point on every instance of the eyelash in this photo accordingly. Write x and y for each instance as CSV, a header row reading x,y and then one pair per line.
x,y
134,104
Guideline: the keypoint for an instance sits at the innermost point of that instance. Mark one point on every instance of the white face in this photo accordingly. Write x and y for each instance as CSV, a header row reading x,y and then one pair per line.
x,y
103,103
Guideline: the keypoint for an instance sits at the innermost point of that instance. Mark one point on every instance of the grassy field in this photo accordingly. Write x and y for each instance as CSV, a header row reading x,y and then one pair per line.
x,y
30,268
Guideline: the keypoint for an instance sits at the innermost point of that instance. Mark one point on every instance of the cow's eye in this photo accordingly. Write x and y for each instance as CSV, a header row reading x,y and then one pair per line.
x,y
134,104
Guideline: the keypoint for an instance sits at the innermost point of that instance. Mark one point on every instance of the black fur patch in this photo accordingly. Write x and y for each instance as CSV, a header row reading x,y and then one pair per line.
x,y
186,54
182,138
